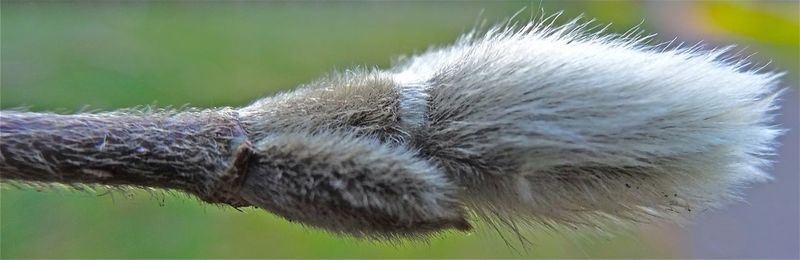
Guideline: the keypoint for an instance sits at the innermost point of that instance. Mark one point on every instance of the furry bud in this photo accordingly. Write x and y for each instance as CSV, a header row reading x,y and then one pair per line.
x,y
559,125
541,124
351,185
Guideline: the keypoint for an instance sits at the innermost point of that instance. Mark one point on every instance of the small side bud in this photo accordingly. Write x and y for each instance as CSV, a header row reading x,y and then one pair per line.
x,y
350,185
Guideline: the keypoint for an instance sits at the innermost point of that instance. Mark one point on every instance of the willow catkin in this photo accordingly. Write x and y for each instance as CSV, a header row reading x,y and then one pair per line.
x,y
533,123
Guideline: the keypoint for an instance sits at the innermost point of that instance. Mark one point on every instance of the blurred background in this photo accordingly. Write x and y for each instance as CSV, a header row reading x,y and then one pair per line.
x,y
67,56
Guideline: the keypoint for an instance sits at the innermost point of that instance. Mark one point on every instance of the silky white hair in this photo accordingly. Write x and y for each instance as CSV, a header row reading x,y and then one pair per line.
x,y
593,127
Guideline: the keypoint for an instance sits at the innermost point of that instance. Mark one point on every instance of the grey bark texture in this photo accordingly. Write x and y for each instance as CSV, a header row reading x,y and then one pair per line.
x,y
199,152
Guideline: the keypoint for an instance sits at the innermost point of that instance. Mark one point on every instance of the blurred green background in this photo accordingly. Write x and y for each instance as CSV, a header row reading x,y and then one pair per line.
x,y
66,56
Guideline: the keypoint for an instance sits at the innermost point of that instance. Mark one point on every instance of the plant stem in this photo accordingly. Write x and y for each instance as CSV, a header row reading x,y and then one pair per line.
x,y
201,152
